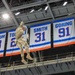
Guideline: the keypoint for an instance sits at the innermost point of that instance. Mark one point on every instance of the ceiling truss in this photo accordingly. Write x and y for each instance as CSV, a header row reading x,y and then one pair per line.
x,y
52,13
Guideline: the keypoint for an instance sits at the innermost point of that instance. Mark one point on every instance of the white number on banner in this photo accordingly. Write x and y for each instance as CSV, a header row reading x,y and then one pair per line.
x,y
64,32
40,37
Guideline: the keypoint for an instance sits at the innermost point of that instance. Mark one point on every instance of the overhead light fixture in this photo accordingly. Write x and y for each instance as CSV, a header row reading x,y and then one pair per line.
x,y
32,10
70,13
40,9
5,16
46,7
65,3
17,13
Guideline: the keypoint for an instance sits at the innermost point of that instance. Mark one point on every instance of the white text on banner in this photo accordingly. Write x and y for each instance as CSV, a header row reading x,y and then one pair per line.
x,y
2,43
64,32
40,37
12,49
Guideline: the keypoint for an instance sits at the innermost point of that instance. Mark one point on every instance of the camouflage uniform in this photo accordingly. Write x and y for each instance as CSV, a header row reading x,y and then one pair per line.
x,y
21,42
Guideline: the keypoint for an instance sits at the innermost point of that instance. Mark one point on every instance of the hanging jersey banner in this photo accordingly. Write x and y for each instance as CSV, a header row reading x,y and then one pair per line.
x,y
12,48
64,32
2,43
40,37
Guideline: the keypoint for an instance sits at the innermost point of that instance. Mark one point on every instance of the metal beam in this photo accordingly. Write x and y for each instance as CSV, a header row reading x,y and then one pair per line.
x,y
51,1
10,2
55,10
50,10
8,8
32,4
29,5
73,1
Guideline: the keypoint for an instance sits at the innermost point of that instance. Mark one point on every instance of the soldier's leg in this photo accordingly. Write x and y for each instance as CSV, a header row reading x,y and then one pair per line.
x,y
25,44
22,53
27,51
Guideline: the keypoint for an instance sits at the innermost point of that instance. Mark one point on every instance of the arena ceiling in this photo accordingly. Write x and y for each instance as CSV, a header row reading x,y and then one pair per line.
x,y
31,11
